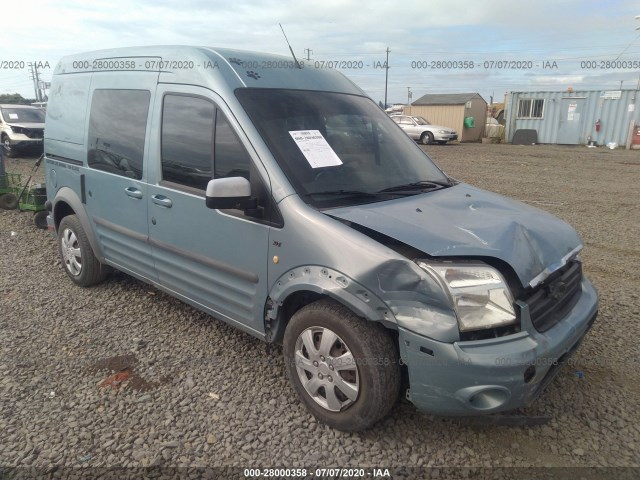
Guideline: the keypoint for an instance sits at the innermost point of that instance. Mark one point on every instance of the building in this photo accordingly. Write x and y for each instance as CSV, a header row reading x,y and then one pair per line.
x,y
450,110
574,117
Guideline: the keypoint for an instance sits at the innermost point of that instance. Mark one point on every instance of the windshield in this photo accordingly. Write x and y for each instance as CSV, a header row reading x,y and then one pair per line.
x,y
23,115
421,121
350,145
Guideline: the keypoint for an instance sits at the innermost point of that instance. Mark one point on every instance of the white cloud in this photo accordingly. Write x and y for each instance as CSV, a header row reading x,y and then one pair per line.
x,y
347,29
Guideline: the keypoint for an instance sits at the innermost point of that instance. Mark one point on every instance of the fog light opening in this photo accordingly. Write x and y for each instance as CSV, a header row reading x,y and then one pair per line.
x,y
529,373
488,399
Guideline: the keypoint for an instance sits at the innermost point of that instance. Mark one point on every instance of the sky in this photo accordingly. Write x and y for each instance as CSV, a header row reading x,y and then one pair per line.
x,y
436,46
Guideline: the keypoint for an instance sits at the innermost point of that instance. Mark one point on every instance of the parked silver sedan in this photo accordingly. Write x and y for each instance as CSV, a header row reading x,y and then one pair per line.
x,y
420,129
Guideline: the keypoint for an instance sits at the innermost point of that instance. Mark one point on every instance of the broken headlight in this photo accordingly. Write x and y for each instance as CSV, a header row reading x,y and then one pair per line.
x,y
478,292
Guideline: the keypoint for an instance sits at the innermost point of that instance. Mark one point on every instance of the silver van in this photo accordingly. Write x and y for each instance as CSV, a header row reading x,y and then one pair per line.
x,y
281,199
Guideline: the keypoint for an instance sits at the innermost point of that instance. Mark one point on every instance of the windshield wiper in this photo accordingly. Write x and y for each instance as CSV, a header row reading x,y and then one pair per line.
x,y
348,193
421,185
354,193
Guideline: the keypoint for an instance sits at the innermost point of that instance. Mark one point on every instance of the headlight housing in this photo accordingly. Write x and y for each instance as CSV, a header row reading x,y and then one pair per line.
x,y
478,292
442,131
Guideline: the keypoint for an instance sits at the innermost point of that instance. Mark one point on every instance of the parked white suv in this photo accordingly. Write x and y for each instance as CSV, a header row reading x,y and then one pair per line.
x,y
420,129
21,128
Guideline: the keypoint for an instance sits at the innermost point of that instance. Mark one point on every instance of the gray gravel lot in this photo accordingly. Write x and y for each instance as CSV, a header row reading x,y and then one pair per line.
x,y
202,393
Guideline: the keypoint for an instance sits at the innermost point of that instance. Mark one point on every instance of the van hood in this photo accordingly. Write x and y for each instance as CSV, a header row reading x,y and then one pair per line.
x,y
27,125
464,221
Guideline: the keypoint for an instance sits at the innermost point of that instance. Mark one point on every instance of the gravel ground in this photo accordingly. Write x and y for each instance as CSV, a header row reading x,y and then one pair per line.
x,y
200,393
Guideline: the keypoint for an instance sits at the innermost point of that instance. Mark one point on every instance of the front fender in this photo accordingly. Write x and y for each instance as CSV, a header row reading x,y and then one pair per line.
x,y
329,282
68,196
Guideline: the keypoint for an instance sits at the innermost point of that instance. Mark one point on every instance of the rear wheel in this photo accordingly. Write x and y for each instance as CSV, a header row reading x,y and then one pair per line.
x,y
76,253
40,219
344,369
426,138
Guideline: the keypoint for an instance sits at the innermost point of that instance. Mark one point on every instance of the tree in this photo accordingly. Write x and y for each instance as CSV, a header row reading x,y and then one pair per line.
x,y
15,99
381,104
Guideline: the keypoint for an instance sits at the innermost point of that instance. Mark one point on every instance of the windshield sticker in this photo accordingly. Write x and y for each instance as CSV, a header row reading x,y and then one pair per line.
x,y
315,148
13,116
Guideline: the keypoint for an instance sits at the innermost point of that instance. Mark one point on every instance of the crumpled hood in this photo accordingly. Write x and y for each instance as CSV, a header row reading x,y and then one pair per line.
x,y
467,221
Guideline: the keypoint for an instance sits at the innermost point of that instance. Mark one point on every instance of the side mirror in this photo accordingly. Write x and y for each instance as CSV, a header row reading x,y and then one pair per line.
x,y
230,192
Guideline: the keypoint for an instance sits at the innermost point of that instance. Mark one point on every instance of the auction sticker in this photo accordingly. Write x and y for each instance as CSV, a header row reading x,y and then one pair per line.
x,y
315,148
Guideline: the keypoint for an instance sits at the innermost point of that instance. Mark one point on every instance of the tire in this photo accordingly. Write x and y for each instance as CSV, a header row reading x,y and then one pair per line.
x,y
8,201
426,138
366,385
40,219
76,254
8,151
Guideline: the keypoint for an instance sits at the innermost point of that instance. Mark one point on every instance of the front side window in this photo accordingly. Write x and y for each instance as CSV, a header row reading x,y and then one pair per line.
x,y
337,149
187,140
117,127
230,157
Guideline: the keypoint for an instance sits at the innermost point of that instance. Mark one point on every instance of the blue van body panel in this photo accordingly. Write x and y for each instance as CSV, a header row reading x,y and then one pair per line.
x,y
243,270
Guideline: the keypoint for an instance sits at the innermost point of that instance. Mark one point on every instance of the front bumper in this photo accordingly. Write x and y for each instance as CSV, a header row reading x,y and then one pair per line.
x,y
441,137
488,376
22,141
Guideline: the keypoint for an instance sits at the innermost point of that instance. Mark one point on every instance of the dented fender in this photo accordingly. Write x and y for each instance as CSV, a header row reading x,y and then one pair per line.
x,y
334,284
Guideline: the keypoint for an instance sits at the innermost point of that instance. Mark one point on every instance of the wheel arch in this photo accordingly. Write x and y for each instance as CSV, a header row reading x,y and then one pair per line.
x,y
68,203
304,285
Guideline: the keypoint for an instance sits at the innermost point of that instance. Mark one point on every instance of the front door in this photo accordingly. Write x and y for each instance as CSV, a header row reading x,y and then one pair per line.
x,y
571,120
214,259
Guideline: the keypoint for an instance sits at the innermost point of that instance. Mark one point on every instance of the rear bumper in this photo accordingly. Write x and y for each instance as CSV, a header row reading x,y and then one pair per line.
x,y
488,376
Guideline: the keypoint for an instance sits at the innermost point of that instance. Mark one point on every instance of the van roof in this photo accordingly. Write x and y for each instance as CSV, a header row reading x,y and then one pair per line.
x,y
209,66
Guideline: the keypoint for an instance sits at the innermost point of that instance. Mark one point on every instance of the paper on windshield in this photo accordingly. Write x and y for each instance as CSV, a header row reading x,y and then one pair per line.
x,y
13,116
315,148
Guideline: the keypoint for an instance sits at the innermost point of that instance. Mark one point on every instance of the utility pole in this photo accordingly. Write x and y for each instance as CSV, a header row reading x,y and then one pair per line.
x,y
386,78
34,77
309,51
409,97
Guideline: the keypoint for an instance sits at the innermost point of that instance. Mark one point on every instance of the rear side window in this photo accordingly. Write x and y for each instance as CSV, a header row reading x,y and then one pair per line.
x,y
187,140
117,127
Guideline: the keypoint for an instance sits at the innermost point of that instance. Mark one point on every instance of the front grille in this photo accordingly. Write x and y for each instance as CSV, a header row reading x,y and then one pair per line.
x,y
551,301
33,132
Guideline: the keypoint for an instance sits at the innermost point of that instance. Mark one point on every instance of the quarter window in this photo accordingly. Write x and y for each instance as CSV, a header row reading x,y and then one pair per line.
x,y
187,140
117,126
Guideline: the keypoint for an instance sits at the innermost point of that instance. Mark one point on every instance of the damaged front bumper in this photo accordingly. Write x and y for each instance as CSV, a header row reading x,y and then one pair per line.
x,y
488,376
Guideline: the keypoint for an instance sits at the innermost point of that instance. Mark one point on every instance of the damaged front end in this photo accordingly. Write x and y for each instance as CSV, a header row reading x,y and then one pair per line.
x,y
486,320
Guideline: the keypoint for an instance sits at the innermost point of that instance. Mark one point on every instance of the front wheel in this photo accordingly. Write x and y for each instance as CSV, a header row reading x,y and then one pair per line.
x,y
8,151
426,138
76,253
344,369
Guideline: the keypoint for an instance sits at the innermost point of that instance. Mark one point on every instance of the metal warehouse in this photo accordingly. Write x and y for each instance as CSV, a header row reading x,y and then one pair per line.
x,y
464,112
574,117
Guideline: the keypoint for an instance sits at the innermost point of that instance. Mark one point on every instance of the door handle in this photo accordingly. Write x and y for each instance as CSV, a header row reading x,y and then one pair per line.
x,y
161,200
133,192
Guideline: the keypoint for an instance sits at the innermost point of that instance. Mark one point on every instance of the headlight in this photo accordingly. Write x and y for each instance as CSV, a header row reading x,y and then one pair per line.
x,y
16,129
442,131
480,296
